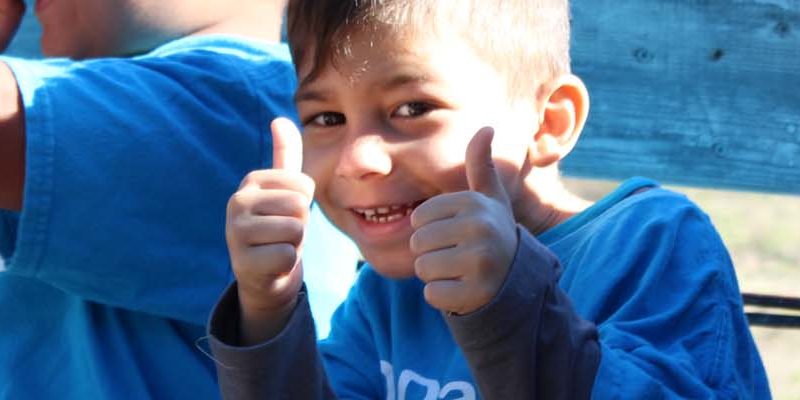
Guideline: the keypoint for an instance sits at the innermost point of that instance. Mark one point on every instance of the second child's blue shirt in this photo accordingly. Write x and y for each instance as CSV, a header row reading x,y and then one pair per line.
x,y
119,253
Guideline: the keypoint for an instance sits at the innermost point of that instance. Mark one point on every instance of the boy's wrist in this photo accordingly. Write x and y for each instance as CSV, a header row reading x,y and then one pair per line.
x,y
261,322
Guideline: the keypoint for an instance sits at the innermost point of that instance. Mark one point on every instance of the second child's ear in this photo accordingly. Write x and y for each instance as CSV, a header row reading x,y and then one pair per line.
x,y
565,103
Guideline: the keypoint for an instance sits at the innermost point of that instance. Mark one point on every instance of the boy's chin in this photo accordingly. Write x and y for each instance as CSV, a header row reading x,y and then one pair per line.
x,y
392,267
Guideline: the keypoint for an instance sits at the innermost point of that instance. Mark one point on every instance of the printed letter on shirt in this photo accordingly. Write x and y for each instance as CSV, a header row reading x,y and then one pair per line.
x,y
412,382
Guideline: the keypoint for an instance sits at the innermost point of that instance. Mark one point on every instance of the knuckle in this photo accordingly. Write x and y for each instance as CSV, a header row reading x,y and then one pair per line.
x,y
308,184
239,224
415,242
284,256
246,229
475,200
421,268
419,214
295,231
230,237
431,295
238,202
245,267
234,230
480,226
484,258
298,203
255,176
252,178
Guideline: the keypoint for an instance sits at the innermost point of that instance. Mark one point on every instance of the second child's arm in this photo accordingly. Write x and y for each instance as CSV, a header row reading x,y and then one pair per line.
x,y
12,127
266,222
12,142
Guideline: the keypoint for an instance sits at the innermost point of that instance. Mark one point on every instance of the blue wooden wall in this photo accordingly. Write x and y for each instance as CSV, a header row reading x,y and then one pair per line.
x,y
699,92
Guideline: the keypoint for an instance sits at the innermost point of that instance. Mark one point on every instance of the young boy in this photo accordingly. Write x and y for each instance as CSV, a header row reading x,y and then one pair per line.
x,y
119,161
485,276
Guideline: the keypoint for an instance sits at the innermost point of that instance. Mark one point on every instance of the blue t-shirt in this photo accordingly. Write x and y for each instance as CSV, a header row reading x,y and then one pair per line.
x,y
649,270
119,253
644,278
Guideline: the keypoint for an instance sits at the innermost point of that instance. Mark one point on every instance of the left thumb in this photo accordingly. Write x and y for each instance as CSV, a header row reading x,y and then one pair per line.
x,y
482,175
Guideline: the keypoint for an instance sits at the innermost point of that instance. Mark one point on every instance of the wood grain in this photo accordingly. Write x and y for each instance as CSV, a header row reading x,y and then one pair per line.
x,y
696,92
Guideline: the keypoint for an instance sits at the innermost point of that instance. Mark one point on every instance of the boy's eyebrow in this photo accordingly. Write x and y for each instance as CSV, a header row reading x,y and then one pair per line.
x,y
405,79
394,82
308,95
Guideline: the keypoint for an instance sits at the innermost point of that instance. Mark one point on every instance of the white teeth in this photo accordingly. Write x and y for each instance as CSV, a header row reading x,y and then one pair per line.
x,y
386,214
394,217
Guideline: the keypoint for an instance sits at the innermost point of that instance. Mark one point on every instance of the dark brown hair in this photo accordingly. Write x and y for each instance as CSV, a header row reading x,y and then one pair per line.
x,y
526,40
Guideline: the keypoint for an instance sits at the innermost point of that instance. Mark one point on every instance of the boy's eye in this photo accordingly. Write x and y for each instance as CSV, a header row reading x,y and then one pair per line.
x,y
413,109
328,119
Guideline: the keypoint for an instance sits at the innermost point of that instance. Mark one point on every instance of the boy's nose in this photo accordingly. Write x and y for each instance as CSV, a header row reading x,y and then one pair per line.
x,y
364,157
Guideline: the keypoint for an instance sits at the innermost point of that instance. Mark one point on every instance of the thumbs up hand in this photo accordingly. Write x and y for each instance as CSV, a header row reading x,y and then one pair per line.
x,y
465,241
266,221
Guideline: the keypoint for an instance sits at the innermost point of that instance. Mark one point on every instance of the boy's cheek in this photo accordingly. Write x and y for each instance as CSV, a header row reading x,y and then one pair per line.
x,y
315,166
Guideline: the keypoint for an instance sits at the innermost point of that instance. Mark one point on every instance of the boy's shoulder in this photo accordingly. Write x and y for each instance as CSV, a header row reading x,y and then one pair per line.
x,y
664,206
647,202
633,230
633,207
203,54
223,58
239,46
214,68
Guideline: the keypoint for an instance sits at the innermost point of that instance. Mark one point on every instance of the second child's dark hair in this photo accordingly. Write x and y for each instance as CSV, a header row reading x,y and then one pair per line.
x,y
526,40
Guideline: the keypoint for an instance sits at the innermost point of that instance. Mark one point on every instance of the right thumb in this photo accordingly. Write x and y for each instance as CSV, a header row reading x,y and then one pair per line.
x,y
287,145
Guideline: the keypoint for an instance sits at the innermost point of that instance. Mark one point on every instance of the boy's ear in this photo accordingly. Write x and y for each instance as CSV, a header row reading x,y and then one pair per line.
x,y
565,108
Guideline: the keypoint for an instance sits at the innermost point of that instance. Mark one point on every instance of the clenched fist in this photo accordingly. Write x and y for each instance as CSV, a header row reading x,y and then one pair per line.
x,y
465,241
266,221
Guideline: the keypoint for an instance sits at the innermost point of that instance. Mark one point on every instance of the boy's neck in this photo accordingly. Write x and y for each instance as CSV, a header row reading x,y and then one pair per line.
x,y
546,202
261,20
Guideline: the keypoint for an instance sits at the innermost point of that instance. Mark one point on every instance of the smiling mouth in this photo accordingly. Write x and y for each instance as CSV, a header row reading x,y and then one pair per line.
x,y
386,214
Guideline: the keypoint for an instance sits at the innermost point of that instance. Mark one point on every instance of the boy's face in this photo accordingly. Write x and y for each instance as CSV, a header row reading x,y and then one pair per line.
x,y
387,128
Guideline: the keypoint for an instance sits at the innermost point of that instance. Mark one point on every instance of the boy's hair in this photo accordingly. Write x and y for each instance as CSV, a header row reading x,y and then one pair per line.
x,y
525,40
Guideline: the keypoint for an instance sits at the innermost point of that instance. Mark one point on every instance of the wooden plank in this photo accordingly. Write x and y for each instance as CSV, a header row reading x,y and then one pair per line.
x,y
697,92
773,320
763,300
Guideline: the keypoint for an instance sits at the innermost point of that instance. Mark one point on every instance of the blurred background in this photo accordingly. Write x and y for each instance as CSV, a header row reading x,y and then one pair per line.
x,y
761,231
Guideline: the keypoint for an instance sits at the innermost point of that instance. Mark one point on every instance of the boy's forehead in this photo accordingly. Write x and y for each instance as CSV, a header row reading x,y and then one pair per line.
x,y
376,67
359,53
378,75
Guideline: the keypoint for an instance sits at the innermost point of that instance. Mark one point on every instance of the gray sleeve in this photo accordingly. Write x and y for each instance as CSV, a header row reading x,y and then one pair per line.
x,y
529,342
286,367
